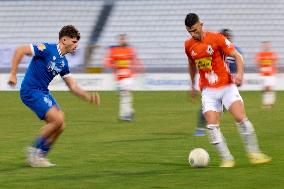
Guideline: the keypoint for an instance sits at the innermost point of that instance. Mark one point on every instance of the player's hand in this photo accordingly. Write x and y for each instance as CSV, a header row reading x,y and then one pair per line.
x,y
12,80
192,94
237,79
95,99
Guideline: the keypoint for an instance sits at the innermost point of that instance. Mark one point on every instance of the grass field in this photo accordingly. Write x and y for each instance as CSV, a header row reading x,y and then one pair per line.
x,y
98,151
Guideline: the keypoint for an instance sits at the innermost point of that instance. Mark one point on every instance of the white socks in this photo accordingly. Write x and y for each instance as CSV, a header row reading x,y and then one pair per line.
x,y
248,134
216,138
268,98
125,103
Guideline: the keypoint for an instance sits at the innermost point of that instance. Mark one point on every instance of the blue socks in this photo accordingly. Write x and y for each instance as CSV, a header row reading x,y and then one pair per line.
x,y
40,143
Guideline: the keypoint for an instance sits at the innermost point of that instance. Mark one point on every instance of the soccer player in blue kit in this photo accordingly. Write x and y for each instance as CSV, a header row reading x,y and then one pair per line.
x,y
47,62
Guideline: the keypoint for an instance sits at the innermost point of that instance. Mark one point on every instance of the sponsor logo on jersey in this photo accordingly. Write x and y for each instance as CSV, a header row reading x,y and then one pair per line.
x,y
204,63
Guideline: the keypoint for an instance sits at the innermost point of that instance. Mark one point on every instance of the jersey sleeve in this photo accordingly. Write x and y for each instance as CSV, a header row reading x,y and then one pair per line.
x,y
136,62
186,49
65,71
40,50
226,46
275,56
108,59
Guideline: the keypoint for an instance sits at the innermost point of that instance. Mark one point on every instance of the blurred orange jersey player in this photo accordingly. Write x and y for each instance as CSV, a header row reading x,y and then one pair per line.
x,y
123,60
267,61
207,55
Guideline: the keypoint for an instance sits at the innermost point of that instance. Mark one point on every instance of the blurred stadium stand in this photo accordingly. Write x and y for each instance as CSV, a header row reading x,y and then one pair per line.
x,y
35,21
155,27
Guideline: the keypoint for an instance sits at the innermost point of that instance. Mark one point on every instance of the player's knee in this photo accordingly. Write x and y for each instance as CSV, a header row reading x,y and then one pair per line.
x,y
59,121
211,119
240,116
214,133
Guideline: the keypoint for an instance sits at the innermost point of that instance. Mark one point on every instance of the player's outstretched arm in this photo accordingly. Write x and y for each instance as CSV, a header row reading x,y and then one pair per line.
x,y
93,98
20,52
238,77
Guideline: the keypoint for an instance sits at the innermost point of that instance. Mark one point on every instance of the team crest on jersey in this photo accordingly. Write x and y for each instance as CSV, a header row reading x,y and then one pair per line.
x,y
41,47
210,50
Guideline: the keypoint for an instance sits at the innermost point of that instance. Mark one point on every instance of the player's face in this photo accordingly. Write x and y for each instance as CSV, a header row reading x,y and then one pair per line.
x,y
195,31
70,44
265,46
122,40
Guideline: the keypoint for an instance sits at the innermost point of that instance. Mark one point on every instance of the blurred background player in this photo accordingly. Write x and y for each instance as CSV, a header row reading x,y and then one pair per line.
x,y
200,129
200,124
204,51
123,60
231,62
47,62
267,63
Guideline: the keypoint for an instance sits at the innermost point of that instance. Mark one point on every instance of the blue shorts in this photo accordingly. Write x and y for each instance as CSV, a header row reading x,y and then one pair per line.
x,y
38,101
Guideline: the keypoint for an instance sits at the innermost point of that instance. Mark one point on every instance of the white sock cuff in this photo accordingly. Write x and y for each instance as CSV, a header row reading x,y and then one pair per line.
x,y
212,126
214,133
246,126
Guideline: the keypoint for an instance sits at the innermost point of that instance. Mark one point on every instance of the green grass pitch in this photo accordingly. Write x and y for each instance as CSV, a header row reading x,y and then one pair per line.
x,y
98,151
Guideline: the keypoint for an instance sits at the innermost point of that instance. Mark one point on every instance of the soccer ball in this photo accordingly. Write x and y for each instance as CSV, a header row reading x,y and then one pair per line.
x,y
198,157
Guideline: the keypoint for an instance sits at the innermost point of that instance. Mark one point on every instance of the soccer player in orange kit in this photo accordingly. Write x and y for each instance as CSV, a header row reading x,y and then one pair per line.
x,y
218,87
267,63
123,60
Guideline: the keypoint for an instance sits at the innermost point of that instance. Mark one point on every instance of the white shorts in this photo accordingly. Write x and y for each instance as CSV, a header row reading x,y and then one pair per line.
x,y
268,81
214,99
125,84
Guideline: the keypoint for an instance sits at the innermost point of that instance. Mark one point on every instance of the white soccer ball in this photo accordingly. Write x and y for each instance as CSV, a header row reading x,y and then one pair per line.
x,y
198,157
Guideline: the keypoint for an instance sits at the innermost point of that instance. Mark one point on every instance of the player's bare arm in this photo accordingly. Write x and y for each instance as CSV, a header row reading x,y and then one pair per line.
x,y
192,72
93,98
20,52
238,77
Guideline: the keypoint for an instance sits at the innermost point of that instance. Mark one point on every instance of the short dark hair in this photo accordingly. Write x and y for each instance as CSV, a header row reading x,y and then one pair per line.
x,y
122,35
191,19
69,31
226,32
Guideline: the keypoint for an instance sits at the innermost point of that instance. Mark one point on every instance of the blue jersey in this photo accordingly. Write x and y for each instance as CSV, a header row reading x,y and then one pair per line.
x,y
46,63
231,62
